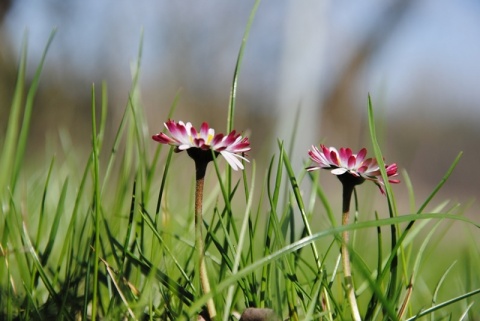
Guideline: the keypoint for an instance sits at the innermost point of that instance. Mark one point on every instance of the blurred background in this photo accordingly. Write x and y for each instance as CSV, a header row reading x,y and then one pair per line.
x,y
419,61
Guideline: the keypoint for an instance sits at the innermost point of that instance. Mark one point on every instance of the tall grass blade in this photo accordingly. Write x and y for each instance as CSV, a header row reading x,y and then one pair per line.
x,y
42,206
238,65
27,113
52,238
301,206
10,141
239,249
96,208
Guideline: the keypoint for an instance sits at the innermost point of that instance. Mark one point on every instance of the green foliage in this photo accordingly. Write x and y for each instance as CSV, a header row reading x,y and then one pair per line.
x,y
114,239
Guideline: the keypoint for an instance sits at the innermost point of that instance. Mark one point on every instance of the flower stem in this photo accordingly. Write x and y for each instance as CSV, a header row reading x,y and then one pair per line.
x,y
347,271
201,167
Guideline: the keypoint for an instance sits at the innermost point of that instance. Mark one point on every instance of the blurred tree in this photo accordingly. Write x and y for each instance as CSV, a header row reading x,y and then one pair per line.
x,y
339,112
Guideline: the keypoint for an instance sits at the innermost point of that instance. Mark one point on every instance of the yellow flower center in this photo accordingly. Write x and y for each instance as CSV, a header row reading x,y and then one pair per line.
x,y
209,139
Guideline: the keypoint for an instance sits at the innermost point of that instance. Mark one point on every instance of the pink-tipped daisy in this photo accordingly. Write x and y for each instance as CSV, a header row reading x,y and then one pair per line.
x,y
347,165
200,143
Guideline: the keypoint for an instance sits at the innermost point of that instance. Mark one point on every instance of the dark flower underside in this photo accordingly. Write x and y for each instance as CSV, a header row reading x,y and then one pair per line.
x,y
201,157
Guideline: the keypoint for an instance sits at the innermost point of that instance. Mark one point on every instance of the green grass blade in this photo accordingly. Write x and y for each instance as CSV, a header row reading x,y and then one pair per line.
x,y
409,226
465,314
411,192
154,164
301,206
239,249
441,183
416,265
444,304
379,157
393,266
10,141
312,305
96,208
315,176
439,285
373,303
42,206
386,304
27,113
269,229
130,226
236,73
55,224
162,185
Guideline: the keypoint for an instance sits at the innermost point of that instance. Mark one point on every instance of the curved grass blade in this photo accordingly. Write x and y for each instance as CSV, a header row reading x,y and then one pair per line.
x,y
411,192
444,304
416,267
439,285
465,314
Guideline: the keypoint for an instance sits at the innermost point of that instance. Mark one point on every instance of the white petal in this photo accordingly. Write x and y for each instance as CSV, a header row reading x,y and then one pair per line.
x,y
232,160
338,171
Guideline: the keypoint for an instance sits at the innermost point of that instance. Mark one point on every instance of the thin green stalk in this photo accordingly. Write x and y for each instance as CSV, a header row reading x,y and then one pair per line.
x,y
96,208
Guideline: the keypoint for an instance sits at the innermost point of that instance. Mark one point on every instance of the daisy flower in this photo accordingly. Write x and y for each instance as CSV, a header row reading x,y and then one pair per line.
x,y
354,167
199,144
